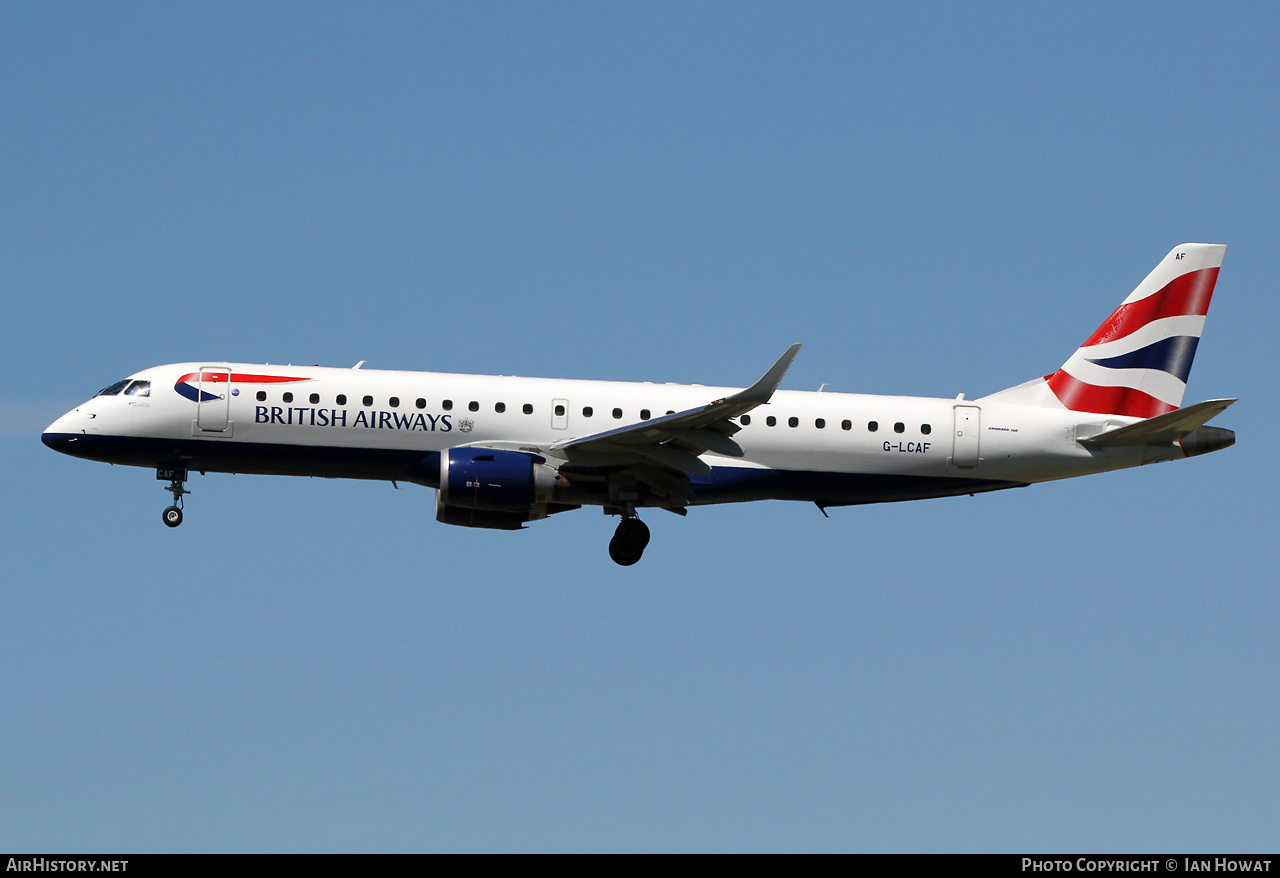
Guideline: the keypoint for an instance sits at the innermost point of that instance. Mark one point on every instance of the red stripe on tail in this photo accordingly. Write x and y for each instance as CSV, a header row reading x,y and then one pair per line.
x,y
1081,397
1187,294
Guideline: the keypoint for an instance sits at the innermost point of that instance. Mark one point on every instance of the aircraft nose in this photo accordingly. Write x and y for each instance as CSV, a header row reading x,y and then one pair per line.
x,y
60,436
58,441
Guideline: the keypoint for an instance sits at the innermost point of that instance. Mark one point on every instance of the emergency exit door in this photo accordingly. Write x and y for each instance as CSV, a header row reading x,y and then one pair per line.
x,y
559,414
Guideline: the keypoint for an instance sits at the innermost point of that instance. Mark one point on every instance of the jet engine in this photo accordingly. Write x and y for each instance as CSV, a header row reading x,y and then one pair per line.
x,y
485,487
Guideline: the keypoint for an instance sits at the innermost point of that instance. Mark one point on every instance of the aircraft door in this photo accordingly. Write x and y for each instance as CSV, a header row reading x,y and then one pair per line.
x,y
964,451
559,414
214,406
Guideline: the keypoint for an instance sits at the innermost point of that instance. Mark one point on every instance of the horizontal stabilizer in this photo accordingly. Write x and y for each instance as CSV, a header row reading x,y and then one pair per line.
x,y
1163,429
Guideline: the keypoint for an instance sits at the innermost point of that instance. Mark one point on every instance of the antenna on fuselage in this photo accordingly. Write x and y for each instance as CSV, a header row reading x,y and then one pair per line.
x,y
358,365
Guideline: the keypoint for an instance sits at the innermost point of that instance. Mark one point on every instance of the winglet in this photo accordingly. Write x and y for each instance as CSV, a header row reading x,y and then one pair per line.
x,y
760,392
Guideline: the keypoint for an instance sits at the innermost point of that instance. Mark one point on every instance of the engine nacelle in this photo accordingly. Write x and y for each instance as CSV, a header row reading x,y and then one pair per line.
x,y
484,487
478,517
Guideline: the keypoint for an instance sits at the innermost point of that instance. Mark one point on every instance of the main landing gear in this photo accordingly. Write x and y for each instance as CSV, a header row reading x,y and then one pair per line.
x,y
629,541
172,515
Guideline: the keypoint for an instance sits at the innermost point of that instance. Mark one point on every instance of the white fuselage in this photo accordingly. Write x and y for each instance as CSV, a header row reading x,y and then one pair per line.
x,y
364,423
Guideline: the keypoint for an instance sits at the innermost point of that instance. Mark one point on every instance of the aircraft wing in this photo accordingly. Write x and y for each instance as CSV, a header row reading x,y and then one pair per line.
x,y
663,452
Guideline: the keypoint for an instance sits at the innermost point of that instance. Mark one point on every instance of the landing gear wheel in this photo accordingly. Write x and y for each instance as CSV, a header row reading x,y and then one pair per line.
x,y
176,476
629,541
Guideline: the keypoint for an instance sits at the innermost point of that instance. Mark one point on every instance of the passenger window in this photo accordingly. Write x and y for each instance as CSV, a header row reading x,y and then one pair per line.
x,y
771,421
926,429
499,407
342,399
395,402
617,413
559,411
473,406
587,411
644,414
899,427
420,403
846,425
820,423
447,405
528,409
872,426
262,396
793,422
368,400
288,397
745,419
315,398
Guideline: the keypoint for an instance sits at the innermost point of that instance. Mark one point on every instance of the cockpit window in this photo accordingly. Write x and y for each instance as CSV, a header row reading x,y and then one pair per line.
x,y
139,388
114,388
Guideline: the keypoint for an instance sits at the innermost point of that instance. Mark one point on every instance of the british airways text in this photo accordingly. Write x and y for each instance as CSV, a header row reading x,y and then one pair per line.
x,y
317,417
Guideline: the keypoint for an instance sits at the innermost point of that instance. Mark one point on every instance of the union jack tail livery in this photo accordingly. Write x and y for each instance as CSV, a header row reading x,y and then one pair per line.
x,y
1136,363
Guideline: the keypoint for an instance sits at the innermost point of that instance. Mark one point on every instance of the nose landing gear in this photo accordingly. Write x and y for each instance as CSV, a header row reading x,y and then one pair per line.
x,y
629,541
172,515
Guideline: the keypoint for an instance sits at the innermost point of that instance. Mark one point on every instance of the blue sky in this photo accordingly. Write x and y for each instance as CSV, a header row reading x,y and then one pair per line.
x,y
938,198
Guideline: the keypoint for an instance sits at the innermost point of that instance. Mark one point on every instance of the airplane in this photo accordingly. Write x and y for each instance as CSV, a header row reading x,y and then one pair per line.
x,y
504,451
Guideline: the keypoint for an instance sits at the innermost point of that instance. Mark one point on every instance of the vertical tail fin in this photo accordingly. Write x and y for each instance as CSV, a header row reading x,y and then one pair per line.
x,y
1136,363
